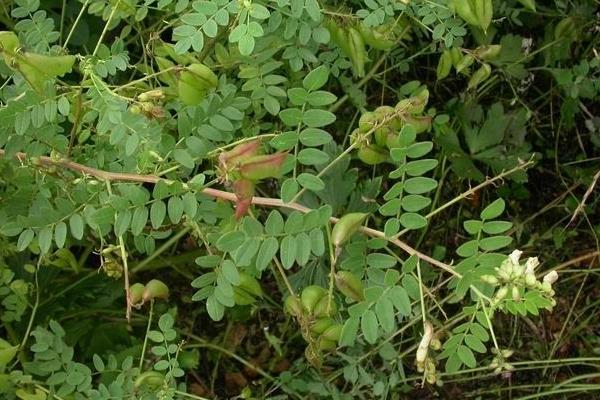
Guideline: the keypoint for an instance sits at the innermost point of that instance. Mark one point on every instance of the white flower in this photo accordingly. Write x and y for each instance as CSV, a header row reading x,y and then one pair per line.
x,y
551,277
531,264
514,257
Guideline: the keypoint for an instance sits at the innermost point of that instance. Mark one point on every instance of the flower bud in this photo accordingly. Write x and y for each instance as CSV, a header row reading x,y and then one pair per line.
x,y
550,277
424,344
530,280
516,294
515,256
531,264
491,279
501,293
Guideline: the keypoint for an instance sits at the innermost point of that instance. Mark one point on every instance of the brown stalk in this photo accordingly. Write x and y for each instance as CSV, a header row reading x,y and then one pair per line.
x,y
221,194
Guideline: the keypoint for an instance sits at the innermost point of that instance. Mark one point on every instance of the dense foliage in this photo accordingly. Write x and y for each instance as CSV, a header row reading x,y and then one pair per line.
x,y
299,199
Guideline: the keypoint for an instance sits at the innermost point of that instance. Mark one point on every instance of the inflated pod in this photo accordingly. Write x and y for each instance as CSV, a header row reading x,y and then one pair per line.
x,y
310,297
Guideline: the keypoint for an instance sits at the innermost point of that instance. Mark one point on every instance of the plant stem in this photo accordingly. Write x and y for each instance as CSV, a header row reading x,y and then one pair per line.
x,y
263,201
146,336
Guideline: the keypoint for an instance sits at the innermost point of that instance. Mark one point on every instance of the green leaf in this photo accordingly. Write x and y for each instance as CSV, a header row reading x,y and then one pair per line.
x,y
76,225
415,202
274,223
45,239
495,243
311,182
466,356
496,227
453,363
122,222
291,116
158,211
175,209
230,272
303,247
288,251
473,226
349,331
312,157
317,118
400,300
289,188
419,167
313,137
413,221
214,308
419,185
369,326
475,344
379,260
385,314
316,78
268,250
245,253
468,249
60,234
317,242
494,210
25,239
231,241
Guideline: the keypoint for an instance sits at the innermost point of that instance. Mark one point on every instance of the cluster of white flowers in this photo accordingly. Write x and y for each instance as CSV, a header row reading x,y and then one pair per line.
x,y
514,277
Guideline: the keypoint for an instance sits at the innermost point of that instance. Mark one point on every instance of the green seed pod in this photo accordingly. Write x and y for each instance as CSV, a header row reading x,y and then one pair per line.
x,y
484,11
194,83
248,289
466,10
346,227
136,293
358,53
310,297
321,325
456,56
465,62
320,310
566,29
327,345
292,306
479,76
444,65
152,95
239,154
366,122
488,52
333,333
261,167
421,124
349,285
372,155
419,101
530,4
381,134
155,289
152,379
